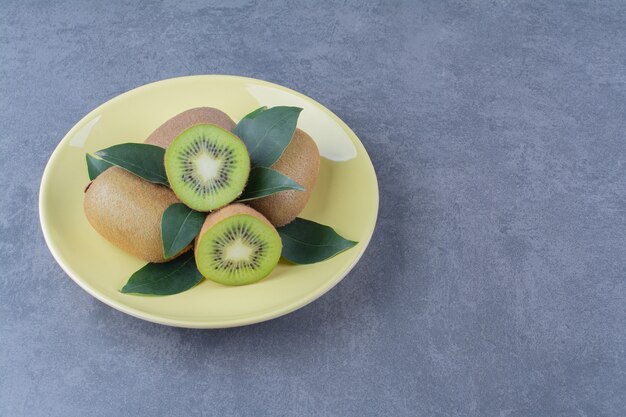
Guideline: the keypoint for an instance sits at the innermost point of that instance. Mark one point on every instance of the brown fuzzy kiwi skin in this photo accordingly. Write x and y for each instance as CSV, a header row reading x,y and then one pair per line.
x,y
226,212
165,134
301,162
126,209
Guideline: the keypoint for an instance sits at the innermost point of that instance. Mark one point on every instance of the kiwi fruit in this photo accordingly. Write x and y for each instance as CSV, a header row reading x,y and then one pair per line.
x,y
236,246
207,167
301,162
165,134
126,209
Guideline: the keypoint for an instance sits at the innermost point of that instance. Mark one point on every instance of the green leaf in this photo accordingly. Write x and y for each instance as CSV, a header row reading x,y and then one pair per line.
x,y
141,159
179,227
168,278
307,242
254,113
96,166
268,133
266,181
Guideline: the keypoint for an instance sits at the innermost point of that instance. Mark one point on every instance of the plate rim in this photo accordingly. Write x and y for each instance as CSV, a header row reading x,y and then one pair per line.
x,y
182,323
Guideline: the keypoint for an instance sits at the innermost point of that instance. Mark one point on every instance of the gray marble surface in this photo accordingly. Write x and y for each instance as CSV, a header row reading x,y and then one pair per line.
x,y
495,284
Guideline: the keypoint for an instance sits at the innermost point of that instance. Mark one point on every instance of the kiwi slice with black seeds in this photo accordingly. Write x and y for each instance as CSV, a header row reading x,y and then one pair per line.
x,y
207,167
237,246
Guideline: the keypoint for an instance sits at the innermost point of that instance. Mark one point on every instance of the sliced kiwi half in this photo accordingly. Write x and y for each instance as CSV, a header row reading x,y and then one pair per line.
x,y
207,167
237,246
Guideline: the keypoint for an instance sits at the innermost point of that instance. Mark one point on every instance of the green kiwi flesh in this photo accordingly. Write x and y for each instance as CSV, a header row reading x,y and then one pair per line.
x,y
241,248
207,167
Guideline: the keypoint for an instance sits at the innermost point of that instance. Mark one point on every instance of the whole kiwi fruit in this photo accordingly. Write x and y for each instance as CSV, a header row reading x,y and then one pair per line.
x,y
301,162
126,209
167,132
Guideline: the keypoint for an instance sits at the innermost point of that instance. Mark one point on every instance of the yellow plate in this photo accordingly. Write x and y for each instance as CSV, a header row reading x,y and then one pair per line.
x,y
345,197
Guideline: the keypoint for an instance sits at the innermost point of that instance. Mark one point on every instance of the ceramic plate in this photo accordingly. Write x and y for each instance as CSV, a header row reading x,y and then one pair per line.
x,y
345,197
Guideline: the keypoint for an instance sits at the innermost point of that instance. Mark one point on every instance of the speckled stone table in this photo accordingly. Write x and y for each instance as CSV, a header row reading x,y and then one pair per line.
x,y
495,284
